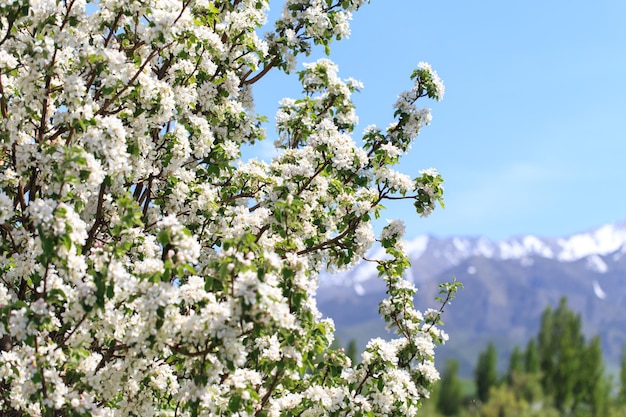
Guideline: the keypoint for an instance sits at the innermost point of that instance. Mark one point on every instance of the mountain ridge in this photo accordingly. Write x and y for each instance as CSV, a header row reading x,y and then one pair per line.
x,y
450,251
507,285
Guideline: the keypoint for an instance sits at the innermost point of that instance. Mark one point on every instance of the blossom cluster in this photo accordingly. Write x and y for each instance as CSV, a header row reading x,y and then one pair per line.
x,y
145,268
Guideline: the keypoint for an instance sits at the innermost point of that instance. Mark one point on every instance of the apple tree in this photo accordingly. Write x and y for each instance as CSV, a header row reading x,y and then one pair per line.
x,y
146,268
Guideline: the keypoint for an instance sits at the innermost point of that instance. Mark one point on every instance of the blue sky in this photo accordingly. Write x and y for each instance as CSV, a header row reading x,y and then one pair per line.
x,y
529,136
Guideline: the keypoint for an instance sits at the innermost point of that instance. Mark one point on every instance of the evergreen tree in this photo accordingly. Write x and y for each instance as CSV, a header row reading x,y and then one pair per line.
x,y
592,388
559,374
486,374
351,350
336,344
621,396
560,344
450,390
523,377
531,357
516,364
572,371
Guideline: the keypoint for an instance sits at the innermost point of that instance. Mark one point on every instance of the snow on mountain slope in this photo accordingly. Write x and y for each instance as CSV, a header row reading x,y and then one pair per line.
x,y
436,254
601,241
595,263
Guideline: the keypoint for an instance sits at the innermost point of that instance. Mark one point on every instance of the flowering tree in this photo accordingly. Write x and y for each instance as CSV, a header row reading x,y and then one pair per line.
x,y
146,269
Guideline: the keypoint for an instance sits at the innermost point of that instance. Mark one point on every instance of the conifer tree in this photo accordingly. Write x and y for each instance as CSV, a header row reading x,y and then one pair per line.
x,y
592,389
351,350
516,364
621,396
560,343
572,371
450,390
531,357
559,374
486,374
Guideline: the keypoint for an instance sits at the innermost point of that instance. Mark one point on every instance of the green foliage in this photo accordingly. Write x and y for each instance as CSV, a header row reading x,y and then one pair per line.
x,y
503,403
531,357
559,342
621,397
148,267
570,368
450,390
352,350
560,373
592,387
527,388
516,364
486,375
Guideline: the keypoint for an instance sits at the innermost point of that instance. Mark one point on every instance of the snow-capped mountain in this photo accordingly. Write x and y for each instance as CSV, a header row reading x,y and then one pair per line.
x,y
507,284
431,255
601,241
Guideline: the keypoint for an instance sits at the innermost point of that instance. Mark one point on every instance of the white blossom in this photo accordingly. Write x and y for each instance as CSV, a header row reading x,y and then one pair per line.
x,y
148,269
435,78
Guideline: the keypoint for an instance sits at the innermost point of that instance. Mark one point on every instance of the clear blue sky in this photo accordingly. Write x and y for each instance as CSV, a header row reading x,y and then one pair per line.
x,y
530,136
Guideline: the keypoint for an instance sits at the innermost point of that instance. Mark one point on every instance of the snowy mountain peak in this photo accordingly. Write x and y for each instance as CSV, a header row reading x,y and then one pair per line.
x,y
417,246
522,248
601,241
431,255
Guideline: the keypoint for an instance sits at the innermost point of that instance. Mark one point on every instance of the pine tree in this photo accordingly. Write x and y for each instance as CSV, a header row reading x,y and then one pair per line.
x,y
560,345
572,370
531,357
351,350
486,374
592,389
450,391
516,364
621,396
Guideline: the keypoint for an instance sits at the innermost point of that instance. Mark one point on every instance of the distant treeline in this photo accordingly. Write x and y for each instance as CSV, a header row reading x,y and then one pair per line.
x,y
559,373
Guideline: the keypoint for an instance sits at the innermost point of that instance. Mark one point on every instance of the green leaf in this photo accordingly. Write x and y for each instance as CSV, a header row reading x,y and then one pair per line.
x,y
163,237
234,403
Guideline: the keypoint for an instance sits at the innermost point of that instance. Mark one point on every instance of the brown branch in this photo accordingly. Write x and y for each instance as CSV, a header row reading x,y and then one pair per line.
x,y
268,394
406,197
110,354
21,295
66,18
190,354
138,190
112,29
44,387
146,196
71,333
154,53
32,185
365,378
8,33
44,111
91,237
261,74
4,106
351,227
20,198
